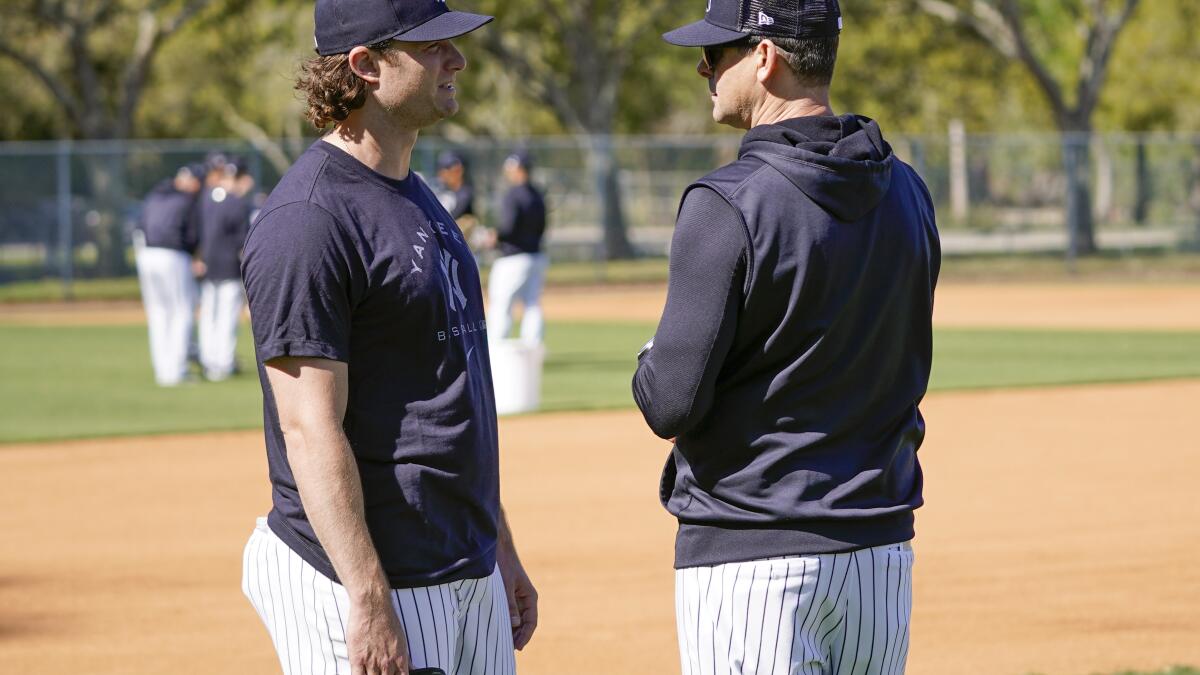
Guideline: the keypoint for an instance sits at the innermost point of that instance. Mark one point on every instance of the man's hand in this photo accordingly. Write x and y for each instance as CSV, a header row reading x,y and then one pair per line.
x,y
522,597
376,639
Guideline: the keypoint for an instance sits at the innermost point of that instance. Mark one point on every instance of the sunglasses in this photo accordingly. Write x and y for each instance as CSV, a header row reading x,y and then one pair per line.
x,y
712,55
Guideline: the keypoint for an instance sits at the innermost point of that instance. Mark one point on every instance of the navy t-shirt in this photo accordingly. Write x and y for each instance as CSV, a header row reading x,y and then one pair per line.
x,y
346,264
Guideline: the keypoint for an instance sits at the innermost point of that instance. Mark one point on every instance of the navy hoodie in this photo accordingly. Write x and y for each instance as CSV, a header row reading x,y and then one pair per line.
x,y
796,425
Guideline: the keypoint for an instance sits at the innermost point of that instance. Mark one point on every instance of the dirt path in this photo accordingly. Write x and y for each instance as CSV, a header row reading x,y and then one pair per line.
x,y
1084,306
1061,536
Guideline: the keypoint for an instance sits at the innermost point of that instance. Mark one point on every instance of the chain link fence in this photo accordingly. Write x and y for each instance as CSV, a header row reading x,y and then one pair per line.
x,y
67,208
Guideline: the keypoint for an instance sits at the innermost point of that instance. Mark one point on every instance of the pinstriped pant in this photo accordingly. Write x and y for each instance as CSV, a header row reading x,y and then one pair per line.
x,y
840,613
461,627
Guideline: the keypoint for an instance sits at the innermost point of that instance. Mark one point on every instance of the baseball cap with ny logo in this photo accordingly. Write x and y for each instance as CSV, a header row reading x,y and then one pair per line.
x,y
731,20
343,25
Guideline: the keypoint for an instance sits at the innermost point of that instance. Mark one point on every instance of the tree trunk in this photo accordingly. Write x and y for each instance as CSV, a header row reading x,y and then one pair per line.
x,y
1104,197
1194,191
1143,188
1077,160
605,175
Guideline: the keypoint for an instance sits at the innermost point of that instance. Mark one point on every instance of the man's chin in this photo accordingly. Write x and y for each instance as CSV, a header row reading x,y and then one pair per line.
x,y
723,117
447,107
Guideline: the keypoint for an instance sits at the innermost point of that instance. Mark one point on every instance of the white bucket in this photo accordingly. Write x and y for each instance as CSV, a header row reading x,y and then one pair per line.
x,y
517,375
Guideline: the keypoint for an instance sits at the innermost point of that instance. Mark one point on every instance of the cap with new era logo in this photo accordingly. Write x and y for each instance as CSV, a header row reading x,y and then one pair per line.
x,y
343,25
730,20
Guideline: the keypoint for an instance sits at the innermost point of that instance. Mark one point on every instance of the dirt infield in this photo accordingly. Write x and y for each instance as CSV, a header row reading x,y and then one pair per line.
x,y
1061,536
1008,305
1141,306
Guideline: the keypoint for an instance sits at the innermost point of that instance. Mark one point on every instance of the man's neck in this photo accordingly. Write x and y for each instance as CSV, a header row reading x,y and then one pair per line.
x,y
775,110
381,148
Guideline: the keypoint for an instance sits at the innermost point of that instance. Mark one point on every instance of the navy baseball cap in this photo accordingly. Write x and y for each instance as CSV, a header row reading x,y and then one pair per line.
x,y
450,159
731,20
343,25
197,170
520,158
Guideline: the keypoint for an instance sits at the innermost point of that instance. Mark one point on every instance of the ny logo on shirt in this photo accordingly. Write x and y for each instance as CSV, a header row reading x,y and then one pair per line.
x,y
450,271
446,262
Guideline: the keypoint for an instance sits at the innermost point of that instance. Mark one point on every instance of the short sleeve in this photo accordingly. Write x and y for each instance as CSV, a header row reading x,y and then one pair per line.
x,y
303,277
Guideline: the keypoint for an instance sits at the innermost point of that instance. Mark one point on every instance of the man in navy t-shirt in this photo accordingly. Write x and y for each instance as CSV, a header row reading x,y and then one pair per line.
x,y
386,548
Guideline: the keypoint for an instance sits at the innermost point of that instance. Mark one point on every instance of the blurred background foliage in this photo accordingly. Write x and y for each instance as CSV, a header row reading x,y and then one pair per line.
x,y
584,66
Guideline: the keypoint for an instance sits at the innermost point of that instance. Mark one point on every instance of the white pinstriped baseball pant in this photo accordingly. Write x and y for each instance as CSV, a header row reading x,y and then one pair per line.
x,y
462,627
829,614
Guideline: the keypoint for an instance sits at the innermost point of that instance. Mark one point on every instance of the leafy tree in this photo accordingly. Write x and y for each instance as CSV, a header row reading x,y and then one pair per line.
x,y
577,58
234,77
1056,61
97,78
108,48
915,74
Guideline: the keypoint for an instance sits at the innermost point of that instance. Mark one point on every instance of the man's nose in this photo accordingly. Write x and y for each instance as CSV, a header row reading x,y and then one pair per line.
x,y
456,61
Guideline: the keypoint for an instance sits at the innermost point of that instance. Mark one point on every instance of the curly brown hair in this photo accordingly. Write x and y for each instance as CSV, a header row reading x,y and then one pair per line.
x,y
331,90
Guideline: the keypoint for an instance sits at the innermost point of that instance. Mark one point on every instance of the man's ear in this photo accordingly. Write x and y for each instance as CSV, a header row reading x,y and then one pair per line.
x,y
766,60
365,64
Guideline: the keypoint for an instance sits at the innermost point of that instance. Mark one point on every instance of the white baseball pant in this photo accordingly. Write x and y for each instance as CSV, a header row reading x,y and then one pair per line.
x,y
462,627
839,613
169,295
220,308
517,277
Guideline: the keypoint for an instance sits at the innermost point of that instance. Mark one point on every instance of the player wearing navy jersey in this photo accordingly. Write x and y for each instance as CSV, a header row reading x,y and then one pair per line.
x,y
519,271
224,220
792,355
165,241
386,548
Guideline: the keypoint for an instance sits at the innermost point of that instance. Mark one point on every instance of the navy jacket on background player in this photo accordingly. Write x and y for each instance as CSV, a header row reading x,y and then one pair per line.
x,y
170,218
795,346
521,223
224,223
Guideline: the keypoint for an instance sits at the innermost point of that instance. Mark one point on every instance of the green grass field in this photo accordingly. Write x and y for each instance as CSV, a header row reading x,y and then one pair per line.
x,y
89,381
1109,266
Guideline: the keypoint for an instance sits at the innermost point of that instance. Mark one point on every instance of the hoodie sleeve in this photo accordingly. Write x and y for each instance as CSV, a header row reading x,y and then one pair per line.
x,y
676,375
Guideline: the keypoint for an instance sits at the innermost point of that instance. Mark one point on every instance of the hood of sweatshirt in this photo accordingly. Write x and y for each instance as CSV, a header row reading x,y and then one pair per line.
x,y
841,163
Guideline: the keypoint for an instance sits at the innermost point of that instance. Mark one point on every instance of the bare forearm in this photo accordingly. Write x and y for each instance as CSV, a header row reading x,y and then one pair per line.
x,y
504,539
331,491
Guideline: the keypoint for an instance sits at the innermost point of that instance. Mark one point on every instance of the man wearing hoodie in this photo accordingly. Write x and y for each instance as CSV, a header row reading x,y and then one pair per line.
x,y
792,354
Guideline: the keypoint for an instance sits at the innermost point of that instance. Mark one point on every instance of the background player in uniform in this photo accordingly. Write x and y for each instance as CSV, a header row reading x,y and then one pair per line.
x,y
386,548
519,271
224,222
455,191
453,187
792,354
165,241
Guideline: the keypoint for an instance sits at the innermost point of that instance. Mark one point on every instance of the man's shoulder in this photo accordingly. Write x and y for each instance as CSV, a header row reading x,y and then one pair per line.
x,y
292,218
904,173
301,181
300,196
728,179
